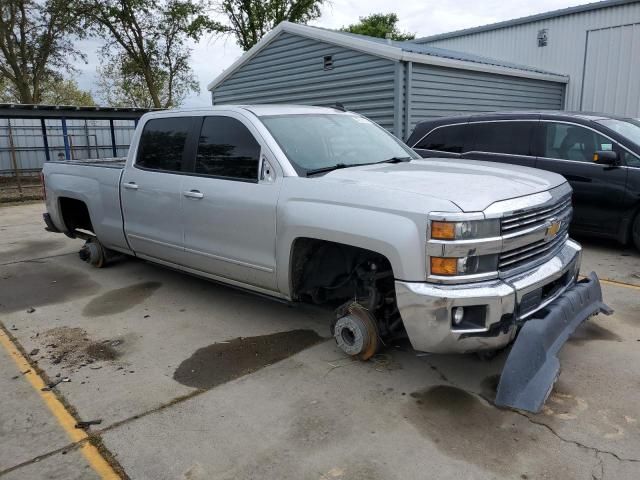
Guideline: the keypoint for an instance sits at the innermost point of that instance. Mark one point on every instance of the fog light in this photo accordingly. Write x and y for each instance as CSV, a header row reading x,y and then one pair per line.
x,y
458,315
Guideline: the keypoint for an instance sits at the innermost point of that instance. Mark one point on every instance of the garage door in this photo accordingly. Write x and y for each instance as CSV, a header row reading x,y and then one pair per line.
x,y
612,71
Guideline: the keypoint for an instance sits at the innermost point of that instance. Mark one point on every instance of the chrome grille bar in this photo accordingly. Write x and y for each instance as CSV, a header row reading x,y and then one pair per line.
x,y
516,222
535,251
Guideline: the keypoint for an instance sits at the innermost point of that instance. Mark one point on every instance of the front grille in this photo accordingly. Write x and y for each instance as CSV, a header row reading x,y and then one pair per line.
x,y
524,220
522,223
532,252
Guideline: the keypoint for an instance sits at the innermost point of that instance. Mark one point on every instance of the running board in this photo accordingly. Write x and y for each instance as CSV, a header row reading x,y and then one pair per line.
x,y
532,366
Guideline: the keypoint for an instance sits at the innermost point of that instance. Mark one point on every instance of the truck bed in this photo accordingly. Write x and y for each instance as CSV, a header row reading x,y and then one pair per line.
x,y
95,183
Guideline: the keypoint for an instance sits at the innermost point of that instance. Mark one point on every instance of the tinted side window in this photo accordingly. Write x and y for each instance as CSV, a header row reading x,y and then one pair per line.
x,y
444,139
502,137
162,143
630,159
227,149
571,142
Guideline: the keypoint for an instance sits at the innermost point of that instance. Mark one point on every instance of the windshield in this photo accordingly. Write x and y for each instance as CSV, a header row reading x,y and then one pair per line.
x,y
313,142
629,129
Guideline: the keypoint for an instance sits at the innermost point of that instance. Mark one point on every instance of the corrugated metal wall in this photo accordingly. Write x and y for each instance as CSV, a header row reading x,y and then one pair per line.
x,y
612,71
438,92
86,140
565,51
290,70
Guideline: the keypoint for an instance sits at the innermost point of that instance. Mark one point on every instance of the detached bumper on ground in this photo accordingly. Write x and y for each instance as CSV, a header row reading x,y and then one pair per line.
x,y
533,366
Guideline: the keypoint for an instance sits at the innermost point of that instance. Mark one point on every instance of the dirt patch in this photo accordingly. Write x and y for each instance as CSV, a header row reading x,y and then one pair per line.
x,y
221,362
71,347
590,331
120,299
464,427
32,284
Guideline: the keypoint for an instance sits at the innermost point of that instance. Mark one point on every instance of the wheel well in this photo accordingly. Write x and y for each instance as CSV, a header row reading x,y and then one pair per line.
x,y
338,275
75,214
320,263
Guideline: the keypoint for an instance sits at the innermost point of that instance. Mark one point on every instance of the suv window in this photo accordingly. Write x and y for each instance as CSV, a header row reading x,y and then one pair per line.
x,y
572,142
227,149
444,139
162,143
630,159
501,137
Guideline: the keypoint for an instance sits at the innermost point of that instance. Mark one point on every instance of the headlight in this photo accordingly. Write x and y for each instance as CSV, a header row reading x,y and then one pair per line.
x,y
465,230
450,266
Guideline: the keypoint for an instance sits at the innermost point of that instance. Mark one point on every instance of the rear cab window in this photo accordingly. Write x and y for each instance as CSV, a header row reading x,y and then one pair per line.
x,y
162,144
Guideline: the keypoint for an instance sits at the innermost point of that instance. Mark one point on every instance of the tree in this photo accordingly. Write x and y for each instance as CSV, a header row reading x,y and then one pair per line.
x,y
54,91
36,44
6,95
250,20
146,57
65,92
379,25
119,85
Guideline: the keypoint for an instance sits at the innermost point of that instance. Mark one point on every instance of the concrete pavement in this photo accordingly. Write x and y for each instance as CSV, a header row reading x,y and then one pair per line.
x,y
154,354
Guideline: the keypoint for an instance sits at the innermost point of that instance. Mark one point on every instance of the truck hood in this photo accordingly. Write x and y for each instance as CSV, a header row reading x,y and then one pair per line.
x,y
471,185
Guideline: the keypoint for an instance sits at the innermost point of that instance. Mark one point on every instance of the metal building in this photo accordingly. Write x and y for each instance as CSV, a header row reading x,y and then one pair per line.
x,y
33,134
596,45
394,83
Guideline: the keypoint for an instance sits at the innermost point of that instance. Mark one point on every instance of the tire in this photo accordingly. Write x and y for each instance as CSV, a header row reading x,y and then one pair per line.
x,y
635,231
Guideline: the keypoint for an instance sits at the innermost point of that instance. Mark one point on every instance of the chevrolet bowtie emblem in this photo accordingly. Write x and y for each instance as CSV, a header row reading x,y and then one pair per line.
x,y
552,230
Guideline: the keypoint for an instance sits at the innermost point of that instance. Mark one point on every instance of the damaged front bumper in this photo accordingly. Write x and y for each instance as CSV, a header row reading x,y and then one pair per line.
x,y
496,307
545,304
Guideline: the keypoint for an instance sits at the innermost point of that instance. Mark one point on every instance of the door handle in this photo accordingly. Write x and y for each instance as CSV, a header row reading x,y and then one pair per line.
x,y
131,185
193,194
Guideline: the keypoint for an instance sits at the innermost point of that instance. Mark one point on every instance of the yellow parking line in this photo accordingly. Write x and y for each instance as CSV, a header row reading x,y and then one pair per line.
x,y
620,284
616,283
65,419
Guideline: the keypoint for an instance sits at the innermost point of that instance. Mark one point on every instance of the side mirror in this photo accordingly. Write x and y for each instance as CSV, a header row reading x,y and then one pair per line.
x,y
605,157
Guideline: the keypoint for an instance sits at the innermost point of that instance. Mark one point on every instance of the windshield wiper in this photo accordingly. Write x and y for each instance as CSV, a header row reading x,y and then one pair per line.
x,y
395,160
337,166
330,168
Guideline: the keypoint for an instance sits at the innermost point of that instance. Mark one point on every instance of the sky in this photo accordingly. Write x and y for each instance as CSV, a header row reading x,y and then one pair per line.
x,y
423,17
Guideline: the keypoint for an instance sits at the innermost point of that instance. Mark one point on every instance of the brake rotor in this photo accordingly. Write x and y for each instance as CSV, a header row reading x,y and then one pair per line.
x,y
356,333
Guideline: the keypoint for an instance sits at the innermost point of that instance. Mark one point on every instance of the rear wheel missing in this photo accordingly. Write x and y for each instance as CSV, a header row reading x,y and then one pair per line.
x,y
94,253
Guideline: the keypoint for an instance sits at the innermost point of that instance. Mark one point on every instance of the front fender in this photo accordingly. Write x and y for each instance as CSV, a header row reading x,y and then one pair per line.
x,y
399,238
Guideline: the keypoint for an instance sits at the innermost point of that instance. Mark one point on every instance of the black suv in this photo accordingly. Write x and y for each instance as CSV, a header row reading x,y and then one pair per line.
x,y
598,154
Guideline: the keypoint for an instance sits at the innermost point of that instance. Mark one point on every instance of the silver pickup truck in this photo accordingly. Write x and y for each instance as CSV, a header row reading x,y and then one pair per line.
x,y
321,205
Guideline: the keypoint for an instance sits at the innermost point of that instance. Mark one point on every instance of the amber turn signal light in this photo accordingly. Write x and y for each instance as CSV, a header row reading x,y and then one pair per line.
x,y
443,230
444,266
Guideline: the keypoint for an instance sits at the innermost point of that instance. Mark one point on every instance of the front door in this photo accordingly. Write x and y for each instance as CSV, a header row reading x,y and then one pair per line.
x,y
598,190
229,213
151,190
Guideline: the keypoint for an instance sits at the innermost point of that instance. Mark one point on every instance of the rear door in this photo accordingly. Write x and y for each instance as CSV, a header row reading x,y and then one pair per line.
x,y
151,190
229,212
505,141
598,190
